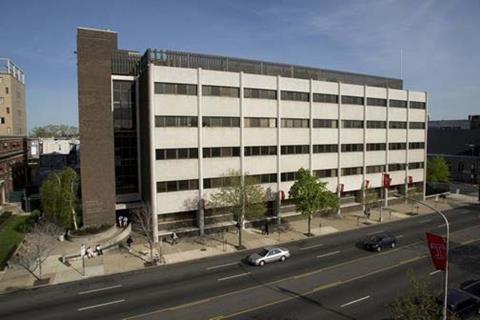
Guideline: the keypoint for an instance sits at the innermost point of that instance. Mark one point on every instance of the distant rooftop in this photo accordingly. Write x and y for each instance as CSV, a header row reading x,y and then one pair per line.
x,y
129,62
8,67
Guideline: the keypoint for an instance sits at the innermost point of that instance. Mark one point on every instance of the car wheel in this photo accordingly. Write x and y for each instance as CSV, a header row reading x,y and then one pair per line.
x,y
379,248
393,245
282,258
262,263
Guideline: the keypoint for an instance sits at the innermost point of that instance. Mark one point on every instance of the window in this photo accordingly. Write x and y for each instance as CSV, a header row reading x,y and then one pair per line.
x,y
179,185
296,149
397,146
218,182
183,153
417,125
416,145
175,88
221,152
259,93
289,176
376,146
352,124
325,123
8,110
2,120
398,103
373,124
295,96
354,147
260,151
352,100
219,91
396,166
325,98
6,90
325,173
352,171
398,125
377,102
375,169
417,105
221,122
175,121
260,122
416,165
294,123
265,178
325,148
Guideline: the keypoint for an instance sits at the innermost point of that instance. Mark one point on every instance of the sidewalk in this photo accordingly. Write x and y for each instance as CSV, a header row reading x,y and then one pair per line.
x,y
121,260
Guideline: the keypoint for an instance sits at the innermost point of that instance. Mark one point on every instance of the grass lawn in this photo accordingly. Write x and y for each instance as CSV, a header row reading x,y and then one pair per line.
x,y
10,237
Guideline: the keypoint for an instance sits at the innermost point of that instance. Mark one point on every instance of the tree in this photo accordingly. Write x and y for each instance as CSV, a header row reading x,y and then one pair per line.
x,y
417,304
144,222
54,131
437,170
59,200
311,196
36,247
243,196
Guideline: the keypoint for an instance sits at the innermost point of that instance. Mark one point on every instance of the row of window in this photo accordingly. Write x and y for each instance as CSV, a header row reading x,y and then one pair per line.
x,y
192,121
224,91
216,152
208,183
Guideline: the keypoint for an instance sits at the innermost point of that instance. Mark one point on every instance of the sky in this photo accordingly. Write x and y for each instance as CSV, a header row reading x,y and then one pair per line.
x,y
433,45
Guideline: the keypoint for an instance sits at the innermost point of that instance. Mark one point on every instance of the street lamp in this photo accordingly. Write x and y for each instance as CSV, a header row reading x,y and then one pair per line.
x,y
447,225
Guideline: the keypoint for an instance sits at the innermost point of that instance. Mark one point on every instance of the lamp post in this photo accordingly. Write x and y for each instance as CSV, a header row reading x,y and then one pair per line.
x,y
447,226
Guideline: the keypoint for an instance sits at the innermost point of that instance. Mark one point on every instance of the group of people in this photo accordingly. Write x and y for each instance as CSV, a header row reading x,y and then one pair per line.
x,y
122,221
89,252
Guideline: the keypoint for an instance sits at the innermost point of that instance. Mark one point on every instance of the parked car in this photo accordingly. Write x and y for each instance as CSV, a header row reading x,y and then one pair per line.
x,y
267,255
472,287
378,242
460,304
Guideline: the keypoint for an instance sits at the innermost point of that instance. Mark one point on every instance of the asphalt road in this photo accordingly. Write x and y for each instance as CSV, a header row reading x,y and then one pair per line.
x,y
327,277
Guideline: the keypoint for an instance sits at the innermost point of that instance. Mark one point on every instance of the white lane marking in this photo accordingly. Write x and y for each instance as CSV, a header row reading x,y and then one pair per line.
x,y
101,305
328,254
222,265
425,221
379,231
400,236
100,289
435,272
235,276
311,247
354,301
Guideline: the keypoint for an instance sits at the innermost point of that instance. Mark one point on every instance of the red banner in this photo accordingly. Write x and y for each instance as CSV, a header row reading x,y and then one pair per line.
x,y
438,250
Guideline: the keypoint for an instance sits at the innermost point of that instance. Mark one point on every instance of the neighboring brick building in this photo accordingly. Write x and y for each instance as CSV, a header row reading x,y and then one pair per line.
x,y
13,154
13,117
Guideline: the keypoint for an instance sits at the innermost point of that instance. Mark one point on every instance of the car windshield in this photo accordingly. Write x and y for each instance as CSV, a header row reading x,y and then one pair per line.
x,y
263,253
375,238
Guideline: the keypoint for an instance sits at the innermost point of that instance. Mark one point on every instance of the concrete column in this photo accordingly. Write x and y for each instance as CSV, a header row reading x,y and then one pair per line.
x,y
387,149
339,157
279,151
425,153
407,148
310,129
364,167
201,207
153,177
242,131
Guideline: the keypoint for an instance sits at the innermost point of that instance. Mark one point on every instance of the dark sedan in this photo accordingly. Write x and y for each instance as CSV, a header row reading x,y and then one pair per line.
x,y
472,287
460,304
378,242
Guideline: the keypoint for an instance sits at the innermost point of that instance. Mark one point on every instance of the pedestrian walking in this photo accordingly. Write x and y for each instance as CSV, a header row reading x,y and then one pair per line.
x,y
174,238
90,253
125,221
129,242
98,250
120,221
267,232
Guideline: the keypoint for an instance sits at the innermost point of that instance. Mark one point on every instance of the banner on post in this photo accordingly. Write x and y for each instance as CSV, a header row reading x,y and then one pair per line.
x,y
438,250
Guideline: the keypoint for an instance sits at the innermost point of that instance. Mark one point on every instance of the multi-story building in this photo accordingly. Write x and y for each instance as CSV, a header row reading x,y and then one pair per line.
x,y
458,141
13,157
182,121
13,117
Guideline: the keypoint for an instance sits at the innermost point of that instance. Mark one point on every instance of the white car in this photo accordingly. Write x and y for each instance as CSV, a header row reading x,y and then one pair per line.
x,y
267,255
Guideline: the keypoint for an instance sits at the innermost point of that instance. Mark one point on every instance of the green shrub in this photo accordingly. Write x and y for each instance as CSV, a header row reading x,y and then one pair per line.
x,y
4,217
10,238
